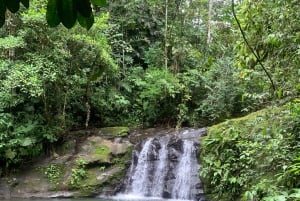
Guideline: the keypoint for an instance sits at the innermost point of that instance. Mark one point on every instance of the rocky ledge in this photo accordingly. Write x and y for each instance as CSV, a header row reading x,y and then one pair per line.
x,y
90,166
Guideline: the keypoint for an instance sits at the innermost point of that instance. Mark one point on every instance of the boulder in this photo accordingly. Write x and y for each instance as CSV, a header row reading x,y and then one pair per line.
x,y
86,167
99,150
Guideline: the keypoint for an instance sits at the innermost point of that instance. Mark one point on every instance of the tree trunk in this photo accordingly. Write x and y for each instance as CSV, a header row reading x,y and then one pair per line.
x,y
166,35
209,22
9,22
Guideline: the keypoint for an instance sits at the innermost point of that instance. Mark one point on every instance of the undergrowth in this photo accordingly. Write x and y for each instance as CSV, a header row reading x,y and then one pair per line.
x,y
256,157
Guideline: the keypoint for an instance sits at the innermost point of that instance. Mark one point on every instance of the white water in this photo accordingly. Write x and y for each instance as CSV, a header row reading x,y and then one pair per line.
x,y
161,171
139,179
158,174
183,182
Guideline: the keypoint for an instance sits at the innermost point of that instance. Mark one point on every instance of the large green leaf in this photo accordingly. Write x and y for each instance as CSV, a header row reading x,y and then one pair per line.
x,y
13,5
99,2
84,7
67,13
52,13
2,12
86,22
25,3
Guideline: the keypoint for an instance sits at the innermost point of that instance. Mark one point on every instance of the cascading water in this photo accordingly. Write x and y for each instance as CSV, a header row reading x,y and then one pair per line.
x,y
185,169
166,167
139,178
161,171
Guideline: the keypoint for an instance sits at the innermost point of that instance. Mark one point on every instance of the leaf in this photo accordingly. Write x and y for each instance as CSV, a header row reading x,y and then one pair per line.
x,y
86,22
101,3
27,142
52,16
25,3
96,75
84,8
280,198
10,154
13,5
67,12
2,12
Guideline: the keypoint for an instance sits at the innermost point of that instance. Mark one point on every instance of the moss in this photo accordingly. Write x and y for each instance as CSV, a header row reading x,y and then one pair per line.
x,y
241,156
250,123
90,185
115,131
102,152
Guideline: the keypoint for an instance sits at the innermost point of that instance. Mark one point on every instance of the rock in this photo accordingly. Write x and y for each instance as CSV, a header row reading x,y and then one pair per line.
x,y
94,162
4,189
98,150
114,131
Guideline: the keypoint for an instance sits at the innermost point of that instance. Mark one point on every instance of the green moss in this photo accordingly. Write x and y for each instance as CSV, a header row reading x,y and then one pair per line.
x,y
240,157
115,131
250,123
102,152
90,185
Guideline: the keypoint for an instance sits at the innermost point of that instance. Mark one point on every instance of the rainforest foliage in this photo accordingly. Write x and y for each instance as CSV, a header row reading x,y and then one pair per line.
x,y
148,63
255,157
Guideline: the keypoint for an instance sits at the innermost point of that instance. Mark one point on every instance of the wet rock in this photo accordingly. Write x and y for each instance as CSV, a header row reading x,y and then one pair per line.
x,y
176,144
180,146
166,195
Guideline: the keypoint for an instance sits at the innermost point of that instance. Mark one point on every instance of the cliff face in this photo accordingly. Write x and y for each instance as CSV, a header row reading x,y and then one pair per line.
x,y
81,166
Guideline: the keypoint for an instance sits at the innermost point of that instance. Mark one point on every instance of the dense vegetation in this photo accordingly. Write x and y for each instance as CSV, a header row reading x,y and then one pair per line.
x,y
255,157
149,63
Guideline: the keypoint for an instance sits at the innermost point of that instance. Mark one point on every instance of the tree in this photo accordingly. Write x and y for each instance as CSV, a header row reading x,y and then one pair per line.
x,y
273,37
47,83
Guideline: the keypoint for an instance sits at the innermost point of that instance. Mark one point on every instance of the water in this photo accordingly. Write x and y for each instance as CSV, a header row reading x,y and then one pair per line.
x,y
56,199
139,178
128,198
183,182
163,167
161,170
166,167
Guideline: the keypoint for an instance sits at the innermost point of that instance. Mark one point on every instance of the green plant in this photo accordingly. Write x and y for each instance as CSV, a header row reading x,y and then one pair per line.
x,y
240,157
78,173
54,173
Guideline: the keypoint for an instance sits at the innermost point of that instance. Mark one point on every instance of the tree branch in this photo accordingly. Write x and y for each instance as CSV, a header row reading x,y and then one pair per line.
x,y
251,49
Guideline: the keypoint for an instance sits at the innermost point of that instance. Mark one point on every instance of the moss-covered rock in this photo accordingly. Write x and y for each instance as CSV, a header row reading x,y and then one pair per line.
x,y
90,167
248,158
114,131
99,150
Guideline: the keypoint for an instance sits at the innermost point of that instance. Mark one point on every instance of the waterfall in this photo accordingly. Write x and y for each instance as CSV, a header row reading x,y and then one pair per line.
x,y
185,169
139,179
161,171
166,167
